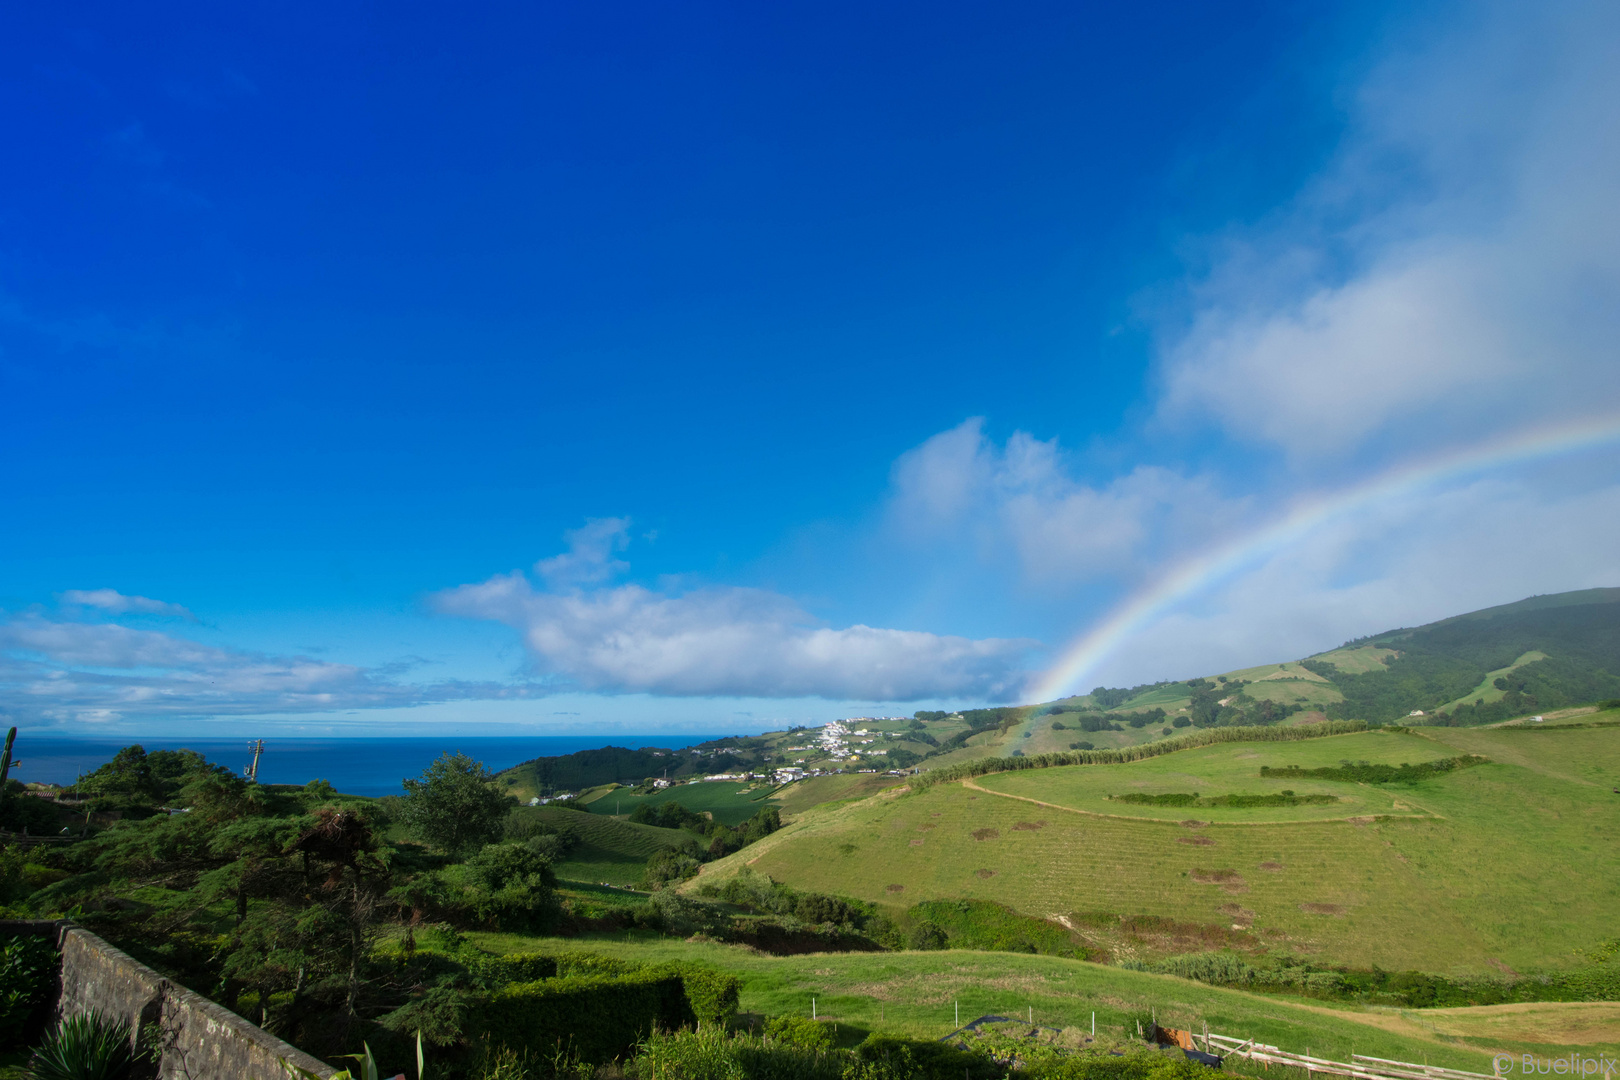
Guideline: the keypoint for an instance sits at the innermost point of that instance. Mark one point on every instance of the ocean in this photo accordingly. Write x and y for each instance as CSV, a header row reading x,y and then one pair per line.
x,y
355,766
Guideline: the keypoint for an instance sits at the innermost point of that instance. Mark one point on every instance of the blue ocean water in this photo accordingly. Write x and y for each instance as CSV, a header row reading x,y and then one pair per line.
x,y
356,766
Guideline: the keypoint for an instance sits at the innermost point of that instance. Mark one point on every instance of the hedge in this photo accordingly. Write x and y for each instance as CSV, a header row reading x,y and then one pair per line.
x,y
594,1017
599,1017
712,996
1201,737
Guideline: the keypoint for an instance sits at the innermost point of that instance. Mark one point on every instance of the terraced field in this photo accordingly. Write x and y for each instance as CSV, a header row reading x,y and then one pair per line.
x,y
1513,864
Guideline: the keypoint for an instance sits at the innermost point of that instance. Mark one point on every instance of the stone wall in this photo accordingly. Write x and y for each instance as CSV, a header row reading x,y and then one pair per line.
x,y
200,1040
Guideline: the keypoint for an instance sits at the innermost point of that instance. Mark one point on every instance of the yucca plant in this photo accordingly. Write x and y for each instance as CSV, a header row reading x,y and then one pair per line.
x,y
368,1066
85,1047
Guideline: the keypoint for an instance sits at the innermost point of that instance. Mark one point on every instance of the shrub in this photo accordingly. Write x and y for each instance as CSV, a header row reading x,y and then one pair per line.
x,y
26,967
799,1031
86,1047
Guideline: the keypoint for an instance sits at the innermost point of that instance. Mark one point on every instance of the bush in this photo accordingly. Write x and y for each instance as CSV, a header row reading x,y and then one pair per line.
x,y
27,965
668,867
799,1031
685,916
87,1047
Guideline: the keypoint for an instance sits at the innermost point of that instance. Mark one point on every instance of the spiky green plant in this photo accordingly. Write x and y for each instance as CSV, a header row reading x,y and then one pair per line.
x,y
85,1047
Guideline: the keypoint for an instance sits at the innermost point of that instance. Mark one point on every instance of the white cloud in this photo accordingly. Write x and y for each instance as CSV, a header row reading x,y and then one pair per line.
x,y
589,558
1458,265
730,642
119,604
56,672
1023,500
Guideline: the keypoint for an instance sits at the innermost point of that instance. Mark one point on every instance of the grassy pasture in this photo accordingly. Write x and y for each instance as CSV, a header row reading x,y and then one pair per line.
x,y
914,993
801,795
1287,688
1516,863
730,801
1354,661
1486,690
1226,769
609,850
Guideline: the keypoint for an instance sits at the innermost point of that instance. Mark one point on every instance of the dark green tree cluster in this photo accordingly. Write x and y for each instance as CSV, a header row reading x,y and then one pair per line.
x,y
722,839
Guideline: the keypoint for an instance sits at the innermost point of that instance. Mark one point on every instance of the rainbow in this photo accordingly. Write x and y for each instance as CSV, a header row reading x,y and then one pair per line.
x,y
1083,655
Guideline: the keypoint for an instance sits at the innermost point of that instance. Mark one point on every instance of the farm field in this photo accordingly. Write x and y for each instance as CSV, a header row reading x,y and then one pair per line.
x,y
1512,864
1226,769
801,795
915,993
730,801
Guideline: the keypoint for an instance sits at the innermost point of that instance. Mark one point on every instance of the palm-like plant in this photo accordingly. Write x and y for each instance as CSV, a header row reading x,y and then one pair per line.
x,y
85,1047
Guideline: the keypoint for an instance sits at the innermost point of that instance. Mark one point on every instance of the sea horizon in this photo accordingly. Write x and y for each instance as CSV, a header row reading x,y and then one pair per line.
x,y
356,765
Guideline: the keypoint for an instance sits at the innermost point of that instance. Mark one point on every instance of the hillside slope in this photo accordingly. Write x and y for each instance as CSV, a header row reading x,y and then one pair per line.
x,y
1509,863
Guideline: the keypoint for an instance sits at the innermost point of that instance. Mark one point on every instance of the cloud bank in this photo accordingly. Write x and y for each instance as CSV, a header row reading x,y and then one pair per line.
x,y
57,671
1457,265
724,642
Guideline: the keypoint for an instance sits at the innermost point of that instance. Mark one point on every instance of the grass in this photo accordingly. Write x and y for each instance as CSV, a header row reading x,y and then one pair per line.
x,y
802,795
1486,690
1356,661
1225,769
916,993
610,850
730,801
1509,865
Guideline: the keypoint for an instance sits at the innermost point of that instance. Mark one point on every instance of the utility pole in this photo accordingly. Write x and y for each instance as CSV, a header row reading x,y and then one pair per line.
x,y
257,746
5,757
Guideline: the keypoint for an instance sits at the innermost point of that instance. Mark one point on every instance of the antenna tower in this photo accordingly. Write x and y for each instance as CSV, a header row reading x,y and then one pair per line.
x,y
257,746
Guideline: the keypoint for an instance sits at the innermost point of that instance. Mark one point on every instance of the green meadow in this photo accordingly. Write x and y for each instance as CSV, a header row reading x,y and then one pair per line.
x,y
1509,865
917,994
1227,769
730,801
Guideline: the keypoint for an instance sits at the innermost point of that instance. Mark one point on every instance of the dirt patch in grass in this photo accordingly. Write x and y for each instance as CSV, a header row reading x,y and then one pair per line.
x,y
986,834
1196,841
1322,909
1192,823
894,888
1236,911
1029,826
926,826
916,843
1216,877
1272,867
985,874
1170,936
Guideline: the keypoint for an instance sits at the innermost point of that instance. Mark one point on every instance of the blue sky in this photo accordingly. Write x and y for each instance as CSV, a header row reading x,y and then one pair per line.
x,y
640,366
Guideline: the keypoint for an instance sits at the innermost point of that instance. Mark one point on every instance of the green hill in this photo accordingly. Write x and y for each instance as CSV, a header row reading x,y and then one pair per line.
x,y
1547,652
1444,871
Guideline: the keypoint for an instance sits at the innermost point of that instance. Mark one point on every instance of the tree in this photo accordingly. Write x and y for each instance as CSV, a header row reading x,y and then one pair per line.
x,y
453,807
